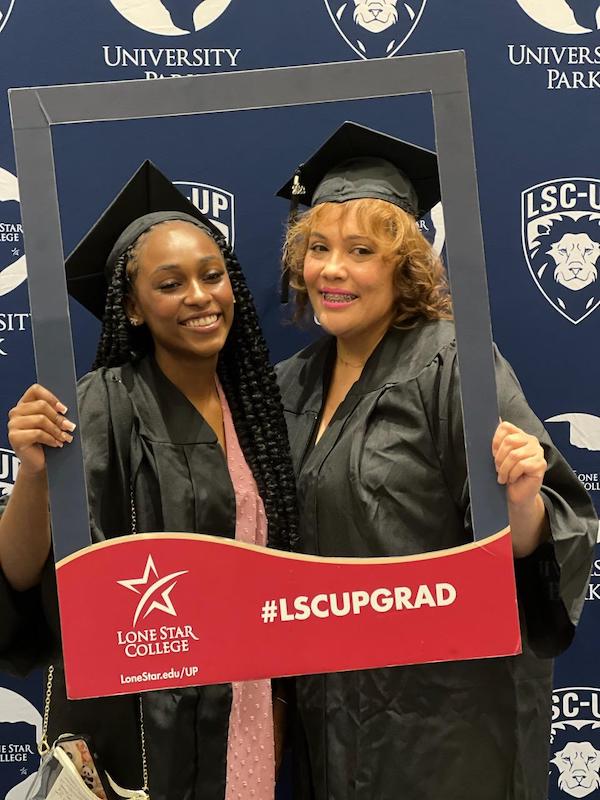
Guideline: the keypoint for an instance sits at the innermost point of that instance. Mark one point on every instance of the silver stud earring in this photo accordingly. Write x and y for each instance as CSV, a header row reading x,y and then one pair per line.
x,y
135,321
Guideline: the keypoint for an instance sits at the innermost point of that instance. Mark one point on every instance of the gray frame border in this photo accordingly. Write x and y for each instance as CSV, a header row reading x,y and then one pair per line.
x,y
35,110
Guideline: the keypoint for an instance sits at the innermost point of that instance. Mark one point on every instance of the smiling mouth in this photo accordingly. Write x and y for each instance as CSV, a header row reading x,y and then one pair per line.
x,y
336,297
201,322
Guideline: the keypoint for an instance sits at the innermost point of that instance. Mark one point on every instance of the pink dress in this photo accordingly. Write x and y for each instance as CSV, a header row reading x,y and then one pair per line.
x,y
250,746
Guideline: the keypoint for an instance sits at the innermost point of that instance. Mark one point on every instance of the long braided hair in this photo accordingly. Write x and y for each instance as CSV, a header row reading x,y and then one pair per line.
x,y
248,380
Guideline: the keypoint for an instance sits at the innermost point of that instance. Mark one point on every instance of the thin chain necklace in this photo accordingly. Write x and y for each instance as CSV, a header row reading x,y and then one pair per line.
x,y
348,364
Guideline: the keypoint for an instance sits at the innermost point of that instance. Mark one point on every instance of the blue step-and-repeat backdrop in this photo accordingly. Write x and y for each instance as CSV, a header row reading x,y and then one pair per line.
x,y
534,68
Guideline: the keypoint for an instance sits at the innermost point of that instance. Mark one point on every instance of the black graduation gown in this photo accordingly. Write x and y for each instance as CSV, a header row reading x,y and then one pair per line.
x,y
388,477
137,426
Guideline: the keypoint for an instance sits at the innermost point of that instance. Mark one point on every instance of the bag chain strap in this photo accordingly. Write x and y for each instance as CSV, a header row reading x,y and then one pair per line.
x,y
44,746
142,730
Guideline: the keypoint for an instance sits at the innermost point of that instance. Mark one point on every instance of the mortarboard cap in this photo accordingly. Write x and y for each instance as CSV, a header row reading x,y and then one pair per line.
x,y
357,162
141,203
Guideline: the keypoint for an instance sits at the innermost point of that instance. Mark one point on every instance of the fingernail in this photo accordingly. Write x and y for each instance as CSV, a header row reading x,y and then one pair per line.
x,y
67,425
62,409
66,437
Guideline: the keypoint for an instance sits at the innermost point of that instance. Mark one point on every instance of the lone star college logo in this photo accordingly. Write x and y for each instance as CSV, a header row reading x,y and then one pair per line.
x,y
20,728
149,601
564,16
584,429
6,6
171,17
375,28
13,269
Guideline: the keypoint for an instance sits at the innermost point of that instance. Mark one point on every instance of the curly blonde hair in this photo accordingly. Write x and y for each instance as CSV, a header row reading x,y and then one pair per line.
x,y
420,279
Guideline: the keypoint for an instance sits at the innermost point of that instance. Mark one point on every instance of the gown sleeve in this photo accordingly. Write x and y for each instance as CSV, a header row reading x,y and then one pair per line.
x,y
23,632
106,422
26,640
29,623
552,581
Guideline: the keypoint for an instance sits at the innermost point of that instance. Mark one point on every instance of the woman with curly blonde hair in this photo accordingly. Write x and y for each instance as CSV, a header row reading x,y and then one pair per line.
x,y
419,279
374,419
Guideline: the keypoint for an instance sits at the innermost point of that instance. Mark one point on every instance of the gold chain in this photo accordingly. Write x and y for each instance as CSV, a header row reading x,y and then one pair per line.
x,y
142,730
133,514
143,741
43,746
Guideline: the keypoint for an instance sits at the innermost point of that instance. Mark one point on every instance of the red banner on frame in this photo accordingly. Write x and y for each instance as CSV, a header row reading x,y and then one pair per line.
x,y
173,610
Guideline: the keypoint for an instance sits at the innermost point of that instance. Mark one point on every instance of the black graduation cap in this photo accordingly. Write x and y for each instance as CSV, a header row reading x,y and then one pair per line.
x,y
146,193
357,162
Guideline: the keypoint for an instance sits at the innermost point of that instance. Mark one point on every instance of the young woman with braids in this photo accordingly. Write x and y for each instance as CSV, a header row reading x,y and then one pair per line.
x,y
181,415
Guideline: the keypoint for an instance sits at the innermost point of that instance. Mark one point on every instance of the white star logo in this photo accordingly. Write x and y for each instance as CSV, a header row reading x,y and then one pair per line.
x,y
164,603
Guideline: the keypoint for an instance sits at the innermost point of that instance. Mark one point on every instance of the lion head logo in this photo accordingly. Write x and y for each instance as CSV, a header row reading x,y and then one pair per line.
x,y
578,766
375,15
564,257
575,255
375,28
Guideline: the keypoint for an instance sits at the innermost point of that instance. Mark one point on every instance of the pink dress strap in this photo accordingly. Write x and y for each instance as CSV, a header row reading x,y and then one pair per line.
x,y
250,745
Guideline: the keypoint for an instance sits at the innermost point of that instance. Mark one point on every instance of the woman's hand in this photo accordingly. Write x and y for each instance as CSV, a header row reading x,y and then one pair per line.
x,y
520,463
37,419
521,466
